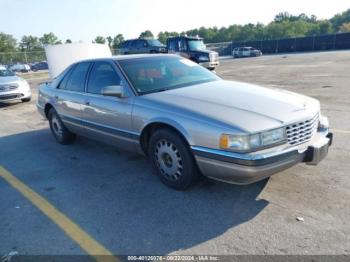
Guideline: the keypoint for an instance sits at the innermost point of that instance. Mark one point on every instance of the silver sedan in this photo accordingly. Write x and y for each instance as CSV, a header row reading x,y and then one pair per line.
x,y
13,87
187,120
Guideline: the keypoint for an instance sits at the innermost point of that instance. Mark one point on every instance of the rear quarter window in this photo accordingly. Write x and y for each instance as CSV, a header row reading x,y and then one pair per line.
x,y
76,80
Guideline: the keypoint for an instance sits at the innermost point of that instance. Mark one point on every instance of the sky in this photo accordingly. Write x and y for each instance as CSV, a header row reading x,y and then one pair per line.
x,y
83,20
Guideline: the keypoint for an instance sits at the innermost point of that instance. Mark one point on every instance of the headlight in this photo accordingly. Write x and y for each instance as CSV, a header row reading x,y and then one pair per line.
x,y
203,58
252,142
323,123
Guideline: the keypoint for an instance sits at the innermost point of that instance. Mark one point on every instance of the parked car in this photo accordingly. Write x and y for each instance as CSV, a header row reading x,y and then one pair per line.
x,y
142,46
39,66
245,52
23,68
13,87
187,120
193,48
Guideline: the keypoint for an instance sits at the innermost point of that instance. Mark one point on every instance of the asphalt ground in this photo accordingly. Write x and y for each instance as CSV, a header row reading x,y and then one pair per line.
x,y
54,198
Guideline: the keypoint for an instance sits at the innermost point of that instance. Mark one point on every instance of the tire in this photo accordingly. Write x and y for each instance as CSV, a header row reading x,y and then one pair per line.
x,y
26,99
172,159
58,130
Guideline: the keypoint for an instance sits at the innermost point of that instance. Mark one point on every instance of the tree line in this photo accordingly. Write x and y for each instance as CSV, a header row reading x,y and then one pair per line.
x,y
284,25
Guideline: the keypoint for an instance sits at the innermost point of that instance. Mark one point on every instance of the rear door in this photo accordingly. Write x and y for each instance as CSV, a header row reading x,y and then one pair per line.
x,y
70,96
107,118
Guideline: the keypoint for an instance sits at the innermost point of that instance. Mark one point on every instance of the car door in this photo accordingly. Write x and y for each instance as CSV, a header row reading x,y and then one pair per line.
x,y
246,51
108,118
69,97
144,47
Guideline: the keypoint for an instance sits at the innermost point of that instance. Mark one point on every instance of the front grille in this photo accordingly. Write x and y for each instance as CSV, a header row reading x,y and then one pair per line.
x,y
302,132
8,87
214,57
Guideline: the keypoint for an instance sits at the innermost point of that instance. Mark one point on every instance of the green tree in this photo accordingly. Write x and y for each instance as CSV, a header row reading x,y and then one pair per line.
x,y
117,41
345,28
30,43
146,34
163,36
339,19
100,40
49,39
7,43
109,41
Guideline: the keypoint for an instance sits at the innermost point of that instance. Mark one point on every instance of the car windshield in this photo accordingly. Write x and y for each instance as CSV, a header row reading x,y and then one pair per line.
x,y
154,42
196,45
156,74
5,72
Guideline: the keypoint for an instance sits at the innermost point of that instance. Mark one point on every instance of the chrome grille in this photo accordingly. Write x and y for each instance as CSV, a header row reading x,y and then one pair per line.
x,y
214,57
302,132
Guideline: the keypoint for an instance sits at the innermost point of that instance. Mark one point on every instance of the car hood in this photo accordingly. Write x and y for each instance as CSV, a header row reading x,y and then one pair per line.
x,y
9,79
247,107
202,52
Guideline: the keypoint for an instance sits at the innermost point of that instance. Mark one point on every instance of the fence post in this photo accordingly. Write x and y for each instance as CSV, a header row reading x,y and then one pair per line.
x,y
313,43
334,40
25,57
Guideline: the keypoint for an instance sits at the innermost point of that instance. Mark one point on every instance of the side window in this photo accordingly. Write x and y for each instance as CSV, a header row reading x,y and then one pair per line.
x,y
133,44
172,45
65,78
76,80
102,75
183,45
140,43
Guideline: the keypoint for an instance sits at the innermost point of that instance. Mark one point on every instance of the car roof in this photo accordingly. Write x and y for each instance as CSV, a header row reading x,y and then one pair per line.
x,y
127,57
187,37
136,39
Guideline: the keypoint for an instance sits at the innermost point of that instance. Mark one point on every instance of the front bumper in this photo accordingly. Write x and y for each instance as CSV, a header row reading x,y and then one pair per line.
x,y
13,96
21,92
246,169
210,65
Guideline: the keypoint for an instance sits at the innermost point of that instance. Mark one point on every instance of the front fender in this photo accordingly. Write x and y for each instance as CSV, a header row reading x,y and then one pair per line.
x,y
170,122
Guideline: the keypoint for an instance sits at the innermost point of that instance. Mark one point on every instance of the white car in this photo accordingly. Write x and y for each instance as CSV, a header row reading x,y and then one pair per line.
x,y
24,68
13,87
245,52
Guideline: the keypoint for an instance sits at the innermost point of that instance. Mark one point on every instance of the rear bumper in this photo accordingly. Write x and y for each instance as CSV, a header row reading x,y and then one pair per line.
x,y
245,169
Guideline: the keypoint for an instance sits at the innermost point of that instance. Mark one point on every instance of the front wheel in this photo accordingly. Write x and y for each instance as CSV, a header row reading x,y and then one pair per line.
x,y
172,159
59,131
26,99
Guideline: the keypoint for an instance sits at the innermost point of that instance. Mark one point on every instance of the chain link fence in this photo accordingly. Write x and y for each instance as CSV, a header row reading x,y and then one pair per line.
x,y
302,44
338,41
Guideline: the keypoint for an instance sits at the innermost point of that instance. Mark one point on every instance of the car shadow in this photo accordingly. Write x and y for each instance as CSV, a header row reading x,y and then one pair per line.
x,y
9,104
117,198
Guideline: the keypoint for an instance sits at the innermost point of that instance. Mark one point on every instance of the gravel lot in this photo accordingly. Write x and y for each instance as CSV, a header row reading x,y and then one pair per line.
x,y
117,199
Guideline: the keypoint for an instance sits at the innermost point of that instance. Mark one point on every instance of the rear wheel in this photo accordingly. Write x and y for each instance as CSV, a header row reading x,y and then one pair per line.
x,y
172,159
59,131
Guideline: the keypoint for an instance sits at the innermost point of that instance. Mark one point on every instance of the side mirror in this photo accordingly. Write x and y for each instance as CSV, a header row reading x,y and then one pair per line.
x,y
116,91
